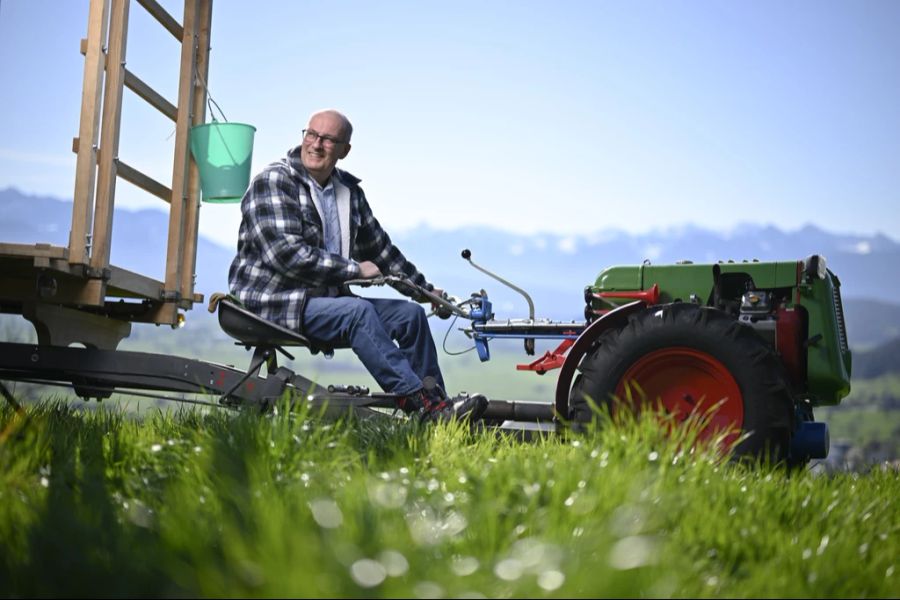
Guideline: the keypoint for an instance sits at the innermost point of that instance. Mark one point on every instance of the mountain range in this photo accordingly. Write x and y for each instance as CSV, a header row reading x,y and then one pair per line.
x,y
553,268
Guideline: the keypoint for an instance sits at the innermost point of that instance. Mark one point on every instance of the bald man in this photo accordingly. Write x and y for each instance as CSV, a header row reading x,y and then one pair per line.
x,y
307,228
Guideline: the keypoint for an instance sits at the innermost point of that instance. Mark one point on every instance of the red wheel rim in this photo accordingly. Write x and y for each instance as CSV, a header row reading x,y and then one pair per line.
x,y
686,382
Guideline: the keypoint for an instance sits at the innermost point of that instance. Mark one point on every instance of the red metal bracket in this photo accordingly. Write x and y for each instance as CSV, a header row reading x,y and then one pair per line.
x,y
550,360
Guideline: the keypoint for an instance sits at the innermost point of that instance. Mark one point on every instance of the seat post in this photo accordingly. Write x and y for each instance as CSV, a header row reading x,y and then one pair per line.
x,y
264,354
261,354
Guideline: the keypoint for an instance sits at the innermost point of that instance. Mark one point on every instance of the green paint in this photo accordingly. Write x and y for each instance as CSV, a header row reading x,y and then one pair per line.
x,y
828,358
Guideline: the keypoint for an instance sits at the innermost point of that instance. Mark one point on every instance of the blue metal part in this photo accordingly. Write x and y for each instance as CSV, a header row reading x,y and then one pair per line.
x,y
810,440
484,328
481,345
523,336
482,312
482,339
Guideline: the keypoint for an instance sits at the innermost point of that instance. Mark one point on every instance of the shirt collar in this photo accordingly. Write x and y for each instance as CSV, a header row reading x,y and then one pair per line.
x,y
311,181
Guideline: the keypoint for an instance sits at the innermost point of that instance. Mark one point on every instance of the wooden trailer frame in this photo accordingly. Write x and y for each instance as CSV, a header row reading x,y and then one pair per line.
x,y
73,294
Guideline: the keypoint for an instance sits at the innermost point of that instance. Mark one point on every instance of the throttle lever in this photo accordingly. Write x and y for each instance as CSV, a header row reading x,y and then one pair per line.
x,y
529,342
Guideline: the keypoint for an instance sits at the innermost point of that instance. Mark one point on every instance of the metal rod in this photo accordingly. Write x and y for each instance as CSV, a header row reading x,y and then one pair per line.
x,y
519,411
128,393
467,254
253,370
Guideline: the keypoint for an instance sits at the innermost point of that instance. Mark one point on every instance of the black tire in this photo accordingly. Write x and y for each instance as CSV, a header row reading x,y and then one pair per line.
x,y
687,331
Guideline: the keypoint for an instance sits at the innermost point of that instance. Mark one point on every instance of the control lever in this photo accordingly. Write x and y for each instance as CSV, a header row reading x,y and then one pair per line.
x,y
402,284
529,342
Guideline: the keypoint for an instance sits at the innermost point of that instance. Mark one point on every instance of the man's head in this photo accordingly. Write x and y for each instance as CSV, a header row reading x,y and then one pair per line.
x,y
326,140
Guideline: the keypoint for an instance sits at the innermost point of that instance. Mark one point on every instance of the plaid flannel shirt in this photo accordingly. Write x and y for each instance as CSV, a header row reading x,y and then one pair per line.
x,y
281,258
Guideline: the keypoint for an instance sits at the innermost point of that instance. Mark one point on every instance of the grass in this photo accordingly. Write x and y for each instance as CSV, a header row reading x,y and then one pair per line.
x,y
98,503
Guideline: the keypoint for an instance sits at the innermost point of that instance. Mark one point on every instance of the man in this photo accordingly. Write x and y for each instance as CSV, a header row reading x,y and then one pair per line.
x,y
307,228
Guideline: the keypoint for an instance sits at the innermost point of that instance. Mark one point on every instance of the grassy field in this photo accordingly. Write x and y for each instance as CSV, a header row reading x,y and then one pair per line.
x,y
99,503
869,417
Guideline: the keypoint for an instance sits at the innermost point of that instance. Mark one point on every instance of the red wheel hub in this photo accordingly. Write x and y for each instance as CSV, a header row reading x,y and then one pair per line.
x,y
686,381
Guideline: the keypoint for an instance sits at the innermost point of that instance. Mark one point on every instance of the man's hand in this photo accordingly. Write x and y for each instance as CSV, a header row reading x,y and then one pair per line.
x,y
440,294
368,270
441,311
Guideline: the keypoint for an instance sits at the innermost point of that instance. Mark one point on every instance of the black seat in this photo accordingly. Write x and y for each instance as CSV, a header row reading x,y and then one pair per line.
x,y
265,338
252,330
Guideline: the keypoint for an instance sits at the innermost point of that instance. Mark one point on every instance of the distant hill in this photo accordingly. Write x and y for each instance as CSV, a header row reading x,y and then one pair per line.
x,y
878,361
871,323
553,268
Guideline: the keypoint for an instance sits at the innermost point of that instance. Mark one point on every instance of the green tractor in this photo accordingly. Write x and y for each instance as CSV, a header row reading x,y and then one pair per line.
x,y
752,346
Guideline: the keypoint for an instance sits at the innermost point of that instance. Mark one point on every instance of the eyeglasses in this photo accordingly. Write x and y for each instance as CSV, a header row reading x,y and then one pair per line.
x,y
310,136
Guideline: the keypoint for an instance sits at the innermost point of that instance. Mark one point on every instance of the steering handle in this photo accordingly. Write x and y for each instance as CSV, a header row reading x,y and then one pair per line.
x,y
445,307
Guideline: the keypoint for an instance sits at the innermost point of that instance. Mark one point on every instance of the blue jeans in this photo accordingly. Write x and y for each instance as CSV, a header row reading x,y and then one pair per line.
x,y
370,326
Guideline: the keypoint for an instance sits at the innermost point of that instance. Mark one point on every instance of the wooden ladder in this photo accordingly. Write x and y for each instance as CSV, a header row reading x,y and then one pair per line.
x,y
98,164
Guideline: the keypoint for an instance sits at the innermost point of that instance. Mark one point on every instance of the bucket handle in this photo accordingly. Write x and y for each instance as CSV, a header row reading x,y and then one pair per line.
x,y
210,102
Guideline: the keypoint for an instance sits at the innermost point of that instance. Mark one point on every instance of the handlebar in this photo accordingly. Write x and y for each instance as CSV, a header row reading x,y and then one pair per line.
x,y
446,306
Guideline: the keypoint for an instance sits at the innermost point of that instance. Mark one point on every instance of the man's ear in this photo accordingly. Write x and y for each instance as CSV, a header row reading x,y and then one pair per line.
x,y
346,151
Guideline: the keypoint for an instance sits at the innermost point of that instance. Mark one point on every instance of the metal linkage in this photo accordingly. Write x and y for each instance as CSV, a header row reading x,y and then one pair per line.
x,y
97,373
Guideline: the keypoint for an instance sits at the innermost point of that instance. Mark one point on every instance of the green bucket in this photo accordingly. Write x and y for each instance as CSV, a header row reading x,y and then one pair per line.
x,y
223,152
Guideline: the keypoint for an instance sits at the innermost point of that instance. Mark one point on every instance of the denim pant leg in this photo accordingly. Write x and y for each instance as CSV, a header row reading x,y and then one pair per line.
x,y
407,323
354,322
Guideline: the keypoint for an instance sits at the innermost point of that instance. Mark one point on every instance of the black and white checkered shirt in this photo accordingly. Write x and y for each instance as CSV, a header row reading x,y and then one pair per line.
x,y
281,258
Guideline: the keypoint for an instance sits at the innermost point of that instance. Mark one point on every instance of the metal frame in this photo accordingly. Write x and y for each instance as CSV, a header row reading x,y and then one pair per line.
x,y
96,373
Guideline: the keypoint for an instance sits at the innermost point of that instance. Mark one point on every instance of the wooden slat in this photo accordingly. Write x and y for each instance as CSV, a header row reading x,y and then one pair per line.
x,y
34,250
72,287
109,141
166,312
153,98
88,131
69,290
145,182
83,48
192,211
164,18
129,284
175,246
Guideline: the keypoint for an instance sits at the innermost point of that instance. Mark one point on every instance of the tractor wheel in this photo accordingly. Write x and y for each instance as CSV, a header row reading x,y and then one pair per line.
x,y
691,359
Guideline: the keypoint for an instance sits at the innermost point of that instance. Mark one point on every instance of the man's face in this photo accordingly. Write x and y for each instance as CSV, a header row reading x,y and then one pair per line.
x,y
320,154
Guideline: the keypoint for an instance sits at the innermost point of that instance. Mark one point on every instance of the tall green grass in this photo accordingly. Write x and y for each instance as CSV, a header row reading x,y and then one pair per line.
x,y
221,504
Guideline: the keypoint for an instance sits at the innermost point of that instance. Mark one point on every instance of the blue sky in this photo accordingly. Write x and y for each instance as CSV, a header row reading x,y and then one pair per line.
x,y
562,117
